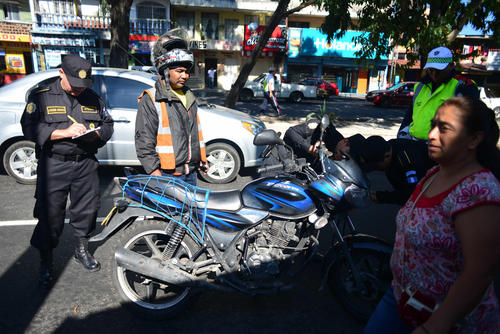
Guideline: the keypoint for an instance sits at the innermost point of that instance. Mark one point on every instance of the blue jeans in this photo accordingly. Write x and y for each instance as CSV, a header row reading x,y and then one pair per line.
x,y
385,319
190,178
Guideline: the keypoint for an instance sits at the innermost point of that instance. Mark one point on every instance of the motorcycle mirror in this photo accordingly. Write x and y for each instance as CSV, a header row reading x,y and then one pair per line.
x,y
267,137
325,121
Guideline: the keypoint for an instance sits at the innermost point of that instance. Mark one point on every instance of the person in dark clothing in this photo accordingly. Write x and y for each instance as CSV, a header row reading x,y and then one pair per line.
x,y
56,118
404,162
304,139
168,134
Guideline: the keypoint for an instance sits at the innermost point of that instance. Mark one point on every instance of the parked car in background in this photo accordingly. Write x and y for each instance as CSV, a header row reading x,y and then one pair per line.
x,y
399,94
228,133
291,91
490,99
324,88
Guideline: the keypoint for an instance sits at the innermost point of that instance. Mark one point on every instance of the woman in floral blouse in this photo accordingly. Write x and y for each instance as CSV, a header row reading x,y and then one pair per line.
x,y
447,243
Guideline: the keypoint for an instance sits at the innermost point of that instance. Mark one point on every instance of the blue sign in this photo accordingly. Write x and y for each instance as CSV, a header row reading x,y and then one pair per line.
x,y
313,42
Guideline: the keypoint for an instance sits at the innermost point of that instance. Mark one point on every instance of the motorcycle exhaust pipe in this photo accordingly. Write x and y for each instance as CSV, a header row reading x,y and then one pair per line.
x,y
153,268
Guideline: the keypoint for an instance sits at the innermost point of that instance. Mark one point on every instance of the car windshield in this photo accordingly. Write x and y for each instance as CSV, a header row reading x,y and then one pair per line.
x,y
259,77
396,86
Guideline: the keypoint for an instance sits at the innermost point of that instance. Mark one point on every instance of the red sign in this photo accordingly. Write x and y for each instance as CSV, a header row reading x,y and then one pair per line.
x,y
277,41
143,38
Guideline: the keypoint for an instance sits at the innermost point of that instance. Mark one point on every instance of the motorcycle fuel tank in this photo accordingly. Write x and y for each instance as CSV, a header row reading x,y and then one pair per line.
x,y
283,196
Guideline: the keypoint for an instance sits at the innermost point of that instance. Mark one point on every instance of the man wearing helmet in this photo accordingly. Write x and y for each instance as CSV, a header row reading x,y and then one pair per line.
x,y
168,136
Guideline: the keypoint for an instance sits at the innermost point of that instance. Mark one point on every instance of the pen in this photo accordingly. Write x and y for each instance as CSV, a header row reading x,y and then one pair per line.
x,y
72,119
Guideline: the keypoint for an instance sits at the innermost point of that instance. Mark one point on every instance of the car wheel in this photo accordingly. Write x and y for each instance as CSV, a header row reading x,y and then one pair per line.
x,y
20,162
246,95
497,112
223,163
296,97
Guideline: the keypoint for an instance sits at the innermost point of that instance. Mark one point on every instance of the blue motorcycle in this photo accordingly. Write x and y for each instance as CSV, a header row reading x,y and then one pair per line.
x,y
170,240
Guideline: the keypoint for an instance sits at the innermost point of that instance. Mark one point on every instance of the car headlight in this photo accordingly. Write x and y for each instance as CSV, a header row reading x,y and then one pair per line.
x,y
356,196
252,127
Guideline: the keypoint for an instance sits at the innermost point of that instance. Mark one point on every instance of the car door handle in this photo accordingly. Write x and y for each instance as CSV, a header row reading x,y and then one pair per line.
x,y
122,120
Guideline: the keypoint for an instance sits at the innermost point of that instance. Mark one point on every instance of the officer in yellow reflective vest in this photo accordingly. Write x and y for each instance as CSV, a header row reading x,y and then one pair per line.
x,y
168,135
439,83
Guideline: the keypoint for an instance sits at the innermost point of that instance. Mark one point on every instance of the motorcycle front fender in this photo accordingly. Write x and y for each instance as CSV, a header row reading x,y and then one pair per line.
x,y
119,219
357,241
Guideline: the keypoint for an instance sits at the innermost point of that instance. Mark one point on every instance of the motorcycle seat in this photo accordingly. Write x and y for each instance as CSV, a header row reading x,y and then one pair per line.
x,y
228,200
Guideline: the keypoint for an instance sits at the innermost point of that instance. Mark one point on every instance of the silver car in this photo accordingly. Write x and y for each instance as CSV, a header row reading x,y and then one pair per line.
x,y
228,133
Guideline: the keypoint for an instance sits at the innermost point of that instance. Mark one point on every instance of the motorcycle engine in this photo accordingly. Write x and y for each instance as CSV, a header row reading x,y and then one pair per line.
x,y
267,250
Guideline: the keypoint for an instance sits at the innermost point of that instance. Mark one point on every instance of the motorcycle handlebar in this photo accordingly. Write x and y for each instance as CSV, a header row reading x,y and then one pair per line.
x,y
269,168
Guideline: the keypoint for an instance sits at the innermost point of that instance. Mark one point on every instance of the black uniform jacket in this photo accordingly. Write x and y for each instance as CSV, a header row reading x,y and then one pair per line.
x,y
183,127
48,109
301,137
408,156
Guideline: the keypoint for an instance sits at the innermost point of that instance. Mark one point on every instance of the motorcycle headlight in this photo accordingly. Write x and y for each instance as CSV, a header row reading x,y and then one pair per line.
x,y
356,196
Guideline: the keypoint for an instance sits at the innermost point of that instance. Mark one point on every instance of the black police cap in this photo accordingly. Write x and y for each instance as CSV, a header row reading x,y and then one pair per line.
x,y
78,71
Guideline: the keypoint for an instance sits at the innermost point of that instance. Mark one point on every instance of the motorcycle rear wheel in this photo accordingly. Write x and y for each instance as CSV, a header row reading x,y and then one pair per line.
x,y
142,295
376,276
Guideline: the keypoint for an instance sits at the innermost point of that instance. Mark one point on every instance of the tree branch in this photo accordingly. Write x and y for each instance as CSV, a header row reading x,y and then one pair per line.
x,y
300,7
462,19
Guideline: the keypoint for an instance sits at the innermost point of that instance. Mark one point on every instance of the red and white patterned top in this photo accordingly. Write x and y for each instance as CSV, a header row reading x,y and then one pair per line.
x,y
433,258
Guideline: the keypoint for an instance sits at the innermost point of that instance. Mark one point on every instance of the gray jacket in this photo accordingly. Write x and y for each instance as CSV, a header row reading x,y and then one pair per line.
x,y
183,126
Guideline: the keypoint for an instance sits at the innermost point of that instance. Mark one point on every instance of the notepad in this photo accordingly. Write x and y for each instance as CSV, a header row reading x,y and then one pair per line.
x,y
86,133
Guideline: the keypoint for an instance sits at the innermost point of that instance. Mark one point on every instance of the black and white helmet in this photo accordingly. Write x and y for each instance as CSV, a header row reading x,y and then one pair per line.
x,y
171,49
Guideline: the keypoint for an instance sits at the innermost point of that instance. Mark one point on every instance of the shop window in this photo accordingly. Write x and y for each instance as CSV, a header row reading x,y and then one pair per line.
x,y
210,25
10,11
151,10
251,18
185,20
230,26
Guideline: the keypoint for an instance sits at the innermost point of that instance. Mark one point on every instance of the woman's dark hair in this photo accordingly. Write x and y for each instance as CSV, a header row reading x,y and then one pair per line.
x,y
476,116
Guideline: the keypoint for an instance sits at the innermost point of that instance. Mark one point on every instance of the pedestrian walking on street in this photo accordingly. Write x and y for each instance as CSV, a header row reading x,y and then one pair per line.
x,y
270,85
211,77
168,134
56,118
447,245
439,83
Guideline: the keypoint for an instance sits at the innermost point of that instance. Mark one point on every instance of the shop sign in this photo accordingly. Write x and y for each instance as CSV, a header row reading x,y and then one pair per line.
x,y
15,38
63,41
143,38
493,61
294,42
315,43
277,41
53,58
198,44
15,63
212,44
140,46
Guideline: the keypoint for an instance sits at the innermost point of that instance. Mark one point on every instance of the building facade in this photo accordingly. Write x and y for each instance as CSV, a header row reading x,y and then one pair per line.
x,y
15,48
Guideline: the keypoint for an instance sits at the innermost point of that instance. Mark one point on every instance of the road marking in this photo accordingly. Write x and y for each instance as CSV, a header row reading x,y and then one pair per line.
x,y
33,222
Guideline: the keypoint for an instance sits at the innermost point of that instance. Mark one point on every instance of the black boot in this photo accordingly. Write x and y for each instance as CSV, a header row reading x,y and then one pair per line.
x,y
83,256
46,277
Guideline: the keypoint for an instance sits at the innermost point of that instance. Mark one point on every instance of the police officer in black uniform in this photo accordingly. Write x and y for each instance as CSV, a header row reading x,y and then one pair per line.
x,y
53,117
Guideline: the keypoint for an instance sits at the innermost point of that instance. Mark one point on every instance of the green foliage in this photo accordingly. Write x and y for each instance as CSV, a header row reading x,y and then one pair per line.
x,y
414,24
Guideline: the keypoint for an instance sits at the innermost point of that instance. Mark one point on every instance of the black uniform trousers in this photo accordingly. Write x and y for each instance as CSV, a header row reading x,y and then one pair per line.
x,y
56,180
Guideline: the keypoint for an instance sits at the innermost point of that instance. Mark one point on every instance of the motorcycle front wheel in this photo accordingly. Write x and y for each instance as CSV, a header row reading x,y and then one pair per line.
x,y
143,295
375,278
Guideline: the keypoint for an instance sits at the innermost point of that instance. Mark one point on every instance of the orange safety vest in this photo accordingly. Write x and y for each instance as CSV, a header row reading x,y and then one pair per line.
x,y
164,144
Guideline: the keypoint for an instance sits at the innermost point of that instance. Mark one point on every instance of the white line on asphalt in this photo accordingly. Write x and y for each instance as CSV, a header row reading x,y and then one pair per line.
x,y
32,222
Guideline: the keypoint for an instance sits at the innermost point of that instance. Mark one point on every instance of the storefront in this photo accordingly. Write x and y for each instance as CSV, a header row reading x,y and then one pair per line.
x,y
15,57
310,54
273,52
50,48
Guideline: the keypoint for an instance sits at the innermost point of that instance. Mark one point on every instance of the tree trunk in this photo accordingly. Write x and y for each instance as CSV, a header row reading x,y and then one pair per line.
x,y
120,28
234,93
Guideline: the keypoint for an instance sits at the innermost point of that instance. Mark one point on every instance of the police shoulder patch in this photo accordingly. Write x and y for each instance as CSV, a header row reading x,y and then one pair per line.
x,y
31,108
